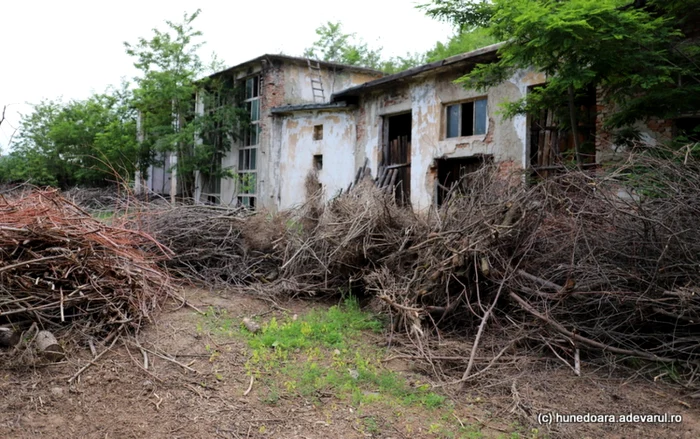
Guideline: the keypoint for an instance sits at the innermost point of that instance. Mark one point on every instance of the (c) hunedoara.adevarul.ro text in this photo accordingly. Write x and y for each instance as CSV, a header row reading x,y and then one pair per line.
x,y
563,418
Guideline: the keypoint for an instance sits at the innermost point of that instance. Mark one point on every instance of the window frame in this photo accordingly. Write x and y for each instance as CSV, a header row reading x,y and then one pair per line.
x,y
473,101
248,152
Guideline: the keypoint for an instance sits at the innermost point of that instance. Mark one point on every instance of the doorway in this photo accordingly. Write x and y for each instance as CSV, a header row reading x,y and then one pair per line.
x,y
396,153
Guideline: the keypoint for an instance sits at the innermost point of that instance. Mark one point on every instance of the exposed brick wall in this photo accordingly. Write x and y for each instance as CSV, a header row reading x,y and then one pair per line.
x,y
510,172
273,88
659,129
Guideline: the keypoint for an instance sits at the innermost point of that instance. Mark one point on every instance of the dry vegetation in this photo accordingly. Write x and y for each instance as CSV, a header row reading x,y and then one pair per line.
x,y
585,268
64,271
574,265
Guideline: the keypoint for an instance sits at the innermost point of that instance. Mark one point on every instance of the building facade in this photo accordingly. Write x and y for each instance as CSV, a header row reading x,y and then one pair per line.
x,y
418,121
265,83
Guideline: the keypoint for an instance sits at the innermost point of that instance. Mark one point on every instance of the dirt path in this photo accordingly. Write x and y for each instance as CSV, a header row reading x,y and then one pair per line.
x,y
203,396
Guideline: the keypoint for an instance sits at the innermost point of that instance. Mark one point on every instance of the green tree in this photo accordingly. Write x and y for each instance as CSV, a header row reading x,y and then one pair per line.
x,y
165,99
463,41
637,56
333,45
90,142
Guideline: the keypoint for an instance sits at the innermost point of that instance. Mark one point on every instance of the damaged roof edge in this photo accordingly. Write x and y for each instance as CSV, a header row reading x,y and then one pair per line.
x,y
354,91
297,60
342,105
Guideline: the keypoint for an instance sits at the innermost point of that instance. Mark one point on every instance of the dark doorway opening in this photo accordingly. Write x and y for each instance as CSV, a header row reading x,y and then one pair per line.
x,y
451,174
397,153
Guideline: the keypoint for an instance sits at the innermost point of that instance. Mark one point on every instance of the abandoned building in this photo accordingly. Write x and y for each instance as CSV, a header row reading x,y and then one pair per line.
x,y
268,82
332,119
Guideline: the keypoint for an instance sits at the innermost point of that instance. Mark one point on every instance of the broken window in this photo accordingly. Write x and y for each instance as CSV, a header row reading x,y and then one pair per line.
x,y
318,162
466,119
318,132
248,149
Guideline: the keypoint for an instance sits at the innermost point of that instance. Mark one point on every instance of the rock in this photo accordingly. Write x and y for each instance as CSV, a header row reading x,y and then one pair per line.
x,y
251,325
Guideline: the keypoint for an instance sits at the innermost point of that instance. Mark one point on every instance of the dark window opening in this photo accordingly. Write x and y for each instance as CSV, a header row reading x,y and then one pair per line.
x,y
466,119
318,162
453,174
248,202
318,132
212,199
688,129
397,153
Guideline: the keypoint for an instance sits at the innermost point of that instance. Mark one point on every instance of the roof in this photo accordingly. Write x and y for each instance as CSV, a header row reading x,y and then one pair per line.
x,y
487,53
311,107
300,61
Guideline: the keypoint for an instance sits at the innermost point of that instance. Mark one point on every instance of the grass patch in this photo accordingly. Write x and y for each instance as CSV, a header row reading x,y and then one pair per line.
x,y
106,216
324,353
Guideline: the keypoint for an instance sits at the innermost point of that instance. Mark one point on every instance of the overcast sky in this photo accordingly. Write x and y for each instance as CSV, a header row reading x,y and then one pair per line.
x,y
71,48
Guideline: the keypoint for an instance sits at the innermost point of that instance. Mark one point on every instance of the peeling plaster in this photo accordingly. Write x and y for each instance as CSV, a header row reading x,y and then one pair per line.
x,y
299,148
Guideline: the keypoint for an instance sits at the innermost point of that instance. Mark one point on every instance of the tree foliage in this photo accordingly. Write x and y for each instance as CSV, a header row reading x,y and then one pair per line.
x,y
464,14
333,45
636,53
461,42
165,99
89,142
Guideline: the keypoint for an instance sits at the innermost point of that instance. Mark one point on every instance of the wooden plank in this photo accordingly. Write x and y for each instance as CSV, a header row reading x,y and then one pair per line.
x,y
394,174
387,176
401,165
380,174
357,175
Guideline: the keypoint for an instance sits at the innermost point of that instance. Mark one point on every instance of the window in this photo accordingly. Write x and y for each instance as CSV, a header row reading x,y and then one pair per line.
x,y
248,148
688,129
318,162
466,119
318,132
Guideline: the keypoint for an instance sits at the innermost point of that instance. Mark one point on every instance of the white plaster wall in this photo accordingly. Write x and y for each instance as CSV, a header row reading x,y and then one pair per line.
x,y
298,148
426,98
290,84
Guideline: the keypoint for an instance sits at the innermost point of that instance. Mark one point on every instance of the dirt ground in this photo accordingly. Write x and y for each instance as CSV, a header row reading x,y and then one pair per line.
x,y
200,398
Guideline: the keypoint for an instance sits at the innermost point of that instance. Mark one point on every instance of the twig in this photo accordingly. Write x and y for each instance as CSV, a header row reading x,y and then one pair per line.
x,y
589,342
164,357
94,360
250,386
475,346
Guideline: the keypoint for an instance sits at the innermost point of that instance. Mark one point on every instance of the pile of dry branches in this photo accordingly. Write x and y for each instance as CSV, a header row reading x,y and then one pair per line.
x,y
62,270
111,199
212,245
585,264
581,258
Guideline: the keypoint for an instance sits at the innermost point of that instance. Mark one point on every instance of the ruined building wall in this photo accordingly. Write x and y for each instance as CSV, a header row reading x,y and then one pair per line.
x,y
426,98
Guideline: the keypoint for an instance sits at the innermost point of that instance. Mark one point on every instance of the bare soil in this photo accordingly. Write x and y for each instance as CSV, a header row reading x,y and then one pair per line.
x,y
203,397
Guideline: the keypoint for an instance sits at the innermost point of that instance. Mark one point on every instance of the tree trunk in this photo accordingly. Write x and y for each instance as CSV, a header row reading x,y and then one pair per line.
x,y
574,126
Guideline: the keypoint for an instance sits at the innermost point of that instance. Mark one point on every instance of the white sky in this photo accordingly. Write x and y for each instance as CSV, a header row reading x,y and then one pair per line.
x,y
71,48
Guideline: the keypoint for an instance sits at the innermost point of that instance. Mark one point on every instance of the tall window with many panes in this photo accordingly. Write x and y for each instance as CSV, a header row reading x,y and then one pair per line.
x,y
248,149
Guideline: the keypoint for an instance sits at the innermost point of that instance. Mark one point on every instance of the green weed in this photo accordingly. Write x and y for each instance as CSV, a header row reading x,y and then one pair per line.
x,y
322,354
